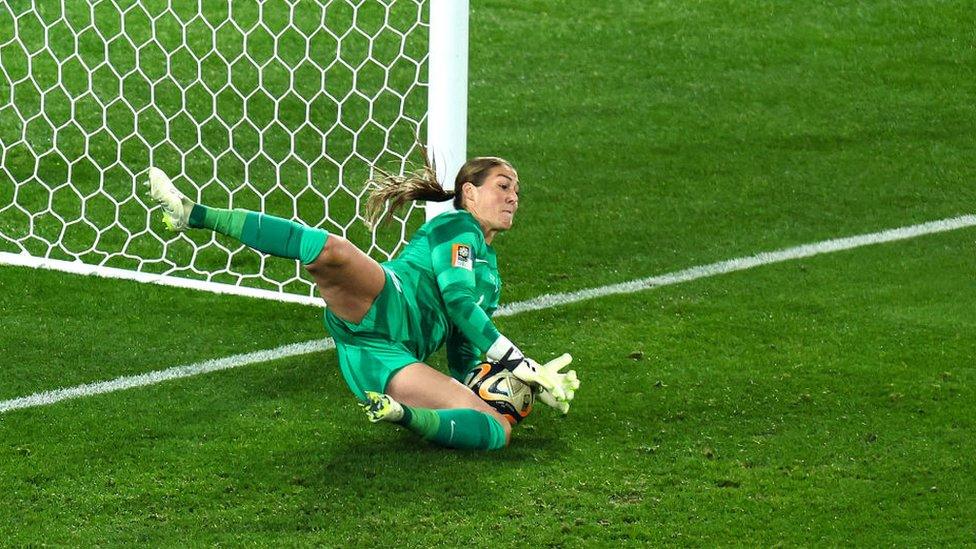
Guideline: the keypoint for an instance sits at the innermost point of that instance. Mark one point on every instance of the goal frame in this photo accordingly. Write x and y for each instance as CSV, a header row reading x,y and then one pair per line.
x,y
446,121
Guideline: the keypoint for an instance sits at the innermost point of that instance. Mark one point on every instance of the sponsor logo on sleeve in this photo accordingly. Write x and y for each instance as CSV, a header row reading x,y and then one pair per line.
x,y
461,256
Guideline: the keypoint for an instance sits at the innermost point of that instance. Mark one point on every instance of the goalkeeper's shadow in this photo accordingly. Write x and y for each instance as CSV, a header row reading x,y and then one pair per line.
x,y
398,458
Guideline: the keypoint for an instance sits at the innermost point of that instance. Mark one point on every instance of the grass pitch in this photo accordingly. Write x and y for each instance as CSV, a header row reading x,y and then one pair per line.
x,y
825,401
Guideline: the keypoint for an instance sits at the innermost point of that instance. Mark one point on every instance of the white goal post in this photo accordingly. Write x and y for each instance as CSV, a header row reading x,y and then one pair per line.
x,y
281,106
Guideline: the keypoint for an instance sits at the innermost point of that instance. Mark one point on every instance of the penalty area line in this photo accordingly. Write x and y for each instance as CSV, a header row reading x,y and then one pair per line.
x,y
176,372
542,302
742,263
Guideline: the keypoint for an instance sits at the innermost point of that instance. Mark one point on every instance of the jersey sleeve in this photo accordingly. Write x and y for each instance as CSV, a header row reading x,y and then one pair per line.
x,y
453,248
461,355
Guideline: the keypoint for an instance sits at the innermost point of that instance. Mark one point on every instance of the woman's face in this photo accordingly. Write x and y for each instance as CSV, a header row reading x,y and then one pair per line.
x,y
495,202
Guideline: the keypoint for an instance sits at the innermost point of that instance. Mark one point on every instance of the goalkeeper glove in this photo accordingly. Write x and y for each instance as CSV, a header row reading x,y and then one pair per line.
x,y
569,382
529,371
561,406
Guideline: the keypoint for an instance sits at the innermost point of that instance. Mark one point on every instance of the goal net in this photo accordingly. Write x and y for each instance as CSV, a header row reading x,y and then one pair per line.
x,y
278,106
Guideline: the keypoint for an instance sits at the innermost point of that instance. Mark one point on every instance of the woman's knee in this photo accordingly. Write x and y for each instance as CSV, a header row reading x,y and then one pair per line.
x,y
506,426
336,253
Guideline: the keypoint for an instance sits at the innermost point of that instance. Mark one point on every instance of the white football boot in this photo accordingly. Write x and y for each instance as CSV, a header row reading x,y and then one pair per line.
x,y
176,206
380,407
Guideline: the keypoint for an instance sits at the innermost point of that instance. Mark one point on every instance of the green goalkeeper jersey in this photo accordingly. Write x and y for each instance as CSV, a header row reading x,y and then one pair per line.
x,y
450,274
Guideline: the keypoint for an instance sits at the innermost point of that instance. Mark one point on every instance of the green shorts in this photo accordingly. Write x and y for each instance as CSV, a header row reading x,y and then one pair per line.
x,y
374,349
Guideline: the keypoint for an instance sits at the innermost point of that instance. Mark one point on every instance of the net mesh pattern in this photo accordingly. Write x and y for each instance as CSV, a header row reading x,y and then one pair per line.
x,y
279,106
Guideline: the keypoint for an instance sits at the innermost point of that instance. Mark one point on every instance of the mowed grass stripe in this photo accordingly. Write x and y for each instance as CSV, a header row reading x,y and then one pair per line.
x,y
541,302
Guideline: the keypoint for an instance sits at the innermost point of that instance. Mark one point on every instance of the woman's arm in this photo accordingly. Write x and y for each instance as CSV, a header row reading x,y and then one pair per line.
x,y
462,357
454,248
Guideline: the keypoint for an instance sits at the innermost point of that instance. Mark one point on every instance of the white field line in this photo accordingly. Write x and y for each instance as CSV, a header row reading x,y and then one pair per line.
x,y
77,267
541,302
176,372
740,264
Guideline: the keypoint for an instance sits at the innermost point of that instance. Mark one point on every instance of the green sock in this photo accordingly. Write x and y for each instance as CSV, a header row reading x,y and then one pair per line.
x,y
265,233
455,428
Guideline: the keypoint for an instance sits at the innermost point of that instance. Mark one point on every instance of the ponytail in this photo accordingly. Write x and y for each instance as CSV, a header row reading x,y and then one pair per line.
x,y
396,190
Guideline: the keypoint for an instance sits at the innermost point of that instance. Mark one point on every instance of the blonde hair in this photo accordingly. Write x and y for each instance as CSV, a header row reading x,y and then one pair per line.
x,y
421,184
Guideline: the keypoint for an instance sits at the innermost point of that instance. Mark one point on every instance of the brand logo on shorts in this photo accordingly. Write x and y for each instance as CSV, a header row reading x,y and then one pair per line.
x,y
461,256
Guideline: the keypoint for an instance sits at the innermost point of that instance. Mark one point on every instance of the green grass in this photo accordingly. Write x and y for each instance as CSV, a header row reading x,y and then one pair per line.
x,y
827,401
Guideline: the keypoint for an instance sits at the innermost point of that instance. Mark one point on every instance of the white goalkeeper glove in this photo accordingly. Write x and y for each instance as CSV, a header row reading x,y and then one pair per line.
x,y
561,406
529,371
569,382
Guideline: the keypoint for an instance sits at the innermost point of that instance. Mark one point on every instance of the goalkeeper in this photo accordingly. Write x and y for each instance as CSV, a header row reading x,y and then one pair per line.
x,y
387,318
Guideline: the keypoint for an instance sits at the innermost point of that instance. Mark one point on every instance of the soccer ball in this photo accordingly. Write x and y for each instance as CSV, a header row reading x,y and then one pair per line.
x,y
504,392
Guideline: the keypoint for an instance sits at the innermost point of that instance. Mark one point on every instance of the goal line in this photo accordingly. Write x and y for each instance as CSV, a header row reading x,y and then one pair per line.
x,y
542,302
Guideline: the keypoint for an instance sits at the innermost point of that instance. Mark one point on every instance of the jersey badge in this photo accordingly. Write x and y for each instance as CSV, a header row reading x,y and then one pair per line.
x,y
461,256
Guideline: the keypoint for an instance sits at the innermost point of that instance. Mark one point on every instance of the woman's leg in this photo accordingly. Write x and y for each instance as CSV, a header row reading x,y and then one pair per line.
x,y
348,279
444,411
